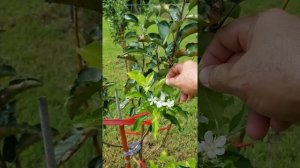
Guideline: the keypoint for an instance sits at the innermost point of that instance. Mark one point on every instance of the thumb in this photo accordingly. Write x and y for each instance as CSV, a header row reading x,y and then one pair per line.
x,y
216,77
173,81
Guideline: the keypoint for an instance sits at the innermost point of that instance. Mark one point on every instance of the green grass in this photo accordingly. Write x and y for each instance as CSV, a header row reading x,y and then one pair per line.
x,y
180,144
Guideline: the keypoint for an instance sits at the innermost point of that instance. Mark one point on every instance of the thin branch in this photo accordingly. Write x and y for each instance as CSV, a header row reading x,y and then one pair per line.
x,y
285,4
75,18
96,145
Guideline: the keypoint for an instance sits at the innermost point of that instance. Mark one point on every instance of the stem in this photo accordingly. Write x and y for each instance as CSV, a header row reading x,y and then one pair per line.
x,y
143,67
225,18
285,4
112,145
141,150
75,18
96,145
157,59
171,60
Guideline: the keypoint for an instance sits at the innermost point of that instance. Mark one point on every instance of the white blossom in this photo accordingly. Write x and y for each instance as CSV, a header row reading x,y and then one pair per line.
x,y
161,101
212,147
152,100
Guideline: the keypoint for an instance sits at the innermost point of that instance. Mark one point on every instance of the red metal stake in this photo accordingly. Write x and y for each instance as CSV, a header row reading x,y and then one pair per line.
x,y
125,145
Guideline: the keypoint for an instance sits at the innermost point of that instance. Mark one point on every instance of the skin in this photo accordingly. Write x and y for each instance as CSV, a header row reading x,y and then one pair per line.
x,y
256,58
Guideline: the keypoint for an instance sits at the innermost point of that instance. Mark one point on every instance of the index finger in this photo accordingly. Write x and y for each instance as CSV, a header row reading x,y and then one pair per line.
x,y
229,40
174,71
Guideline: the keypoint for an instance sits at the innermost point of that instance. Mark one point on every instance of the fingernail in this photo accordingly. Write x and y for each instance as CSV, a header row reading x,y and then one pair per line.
x,y
203,77
167,81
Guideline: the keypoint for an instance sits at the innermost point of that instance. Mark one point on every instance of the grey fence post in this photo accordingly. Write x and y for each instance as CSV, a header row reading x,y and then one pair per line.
x,y
47,133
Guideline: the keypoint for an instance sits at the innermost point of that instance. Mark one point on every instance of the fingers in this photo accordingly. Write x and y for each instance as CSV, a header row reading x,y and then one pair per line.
x,y
257,125
217,77
183,97
171,78
233,38
279,126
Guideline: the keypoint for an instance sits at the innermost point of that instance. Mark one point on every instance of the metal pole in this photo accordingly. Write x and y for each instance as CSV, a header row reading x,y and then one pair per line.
x,y
122,131
46,132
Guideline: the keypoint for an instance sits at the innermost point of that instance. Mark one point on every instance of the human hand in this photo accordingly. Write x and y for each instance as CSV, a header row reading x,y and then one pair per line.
x,y
257,58
184,76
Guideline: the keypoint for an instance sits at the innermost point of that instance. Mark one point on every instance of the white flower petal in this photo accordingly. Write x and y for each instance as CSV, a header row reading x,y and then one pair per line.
x,y
211,154
162,96
201,147
220,151
208,137
220,141
159,104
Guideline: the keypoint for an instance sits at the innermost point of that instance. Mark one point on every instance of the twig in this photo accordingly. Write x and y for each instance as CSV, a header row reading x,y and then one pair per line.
x,y
171,61
96,145
285,4
112,145
75,18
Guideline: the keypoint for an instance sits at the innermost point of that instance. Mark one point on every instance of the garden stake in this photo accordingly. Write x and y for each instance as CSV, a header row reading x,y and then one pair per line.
x,y
122,132
46,132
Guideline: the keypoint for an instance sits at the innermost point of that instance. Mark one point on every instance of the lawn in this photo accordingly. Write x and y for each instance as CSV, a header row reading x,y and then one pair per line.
x,y
180,144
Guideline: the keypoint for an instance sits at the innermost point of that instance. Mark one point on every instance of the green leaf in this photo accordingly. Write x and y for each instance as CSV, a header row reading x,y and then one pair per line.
x,y
65,149
149,78
155,122
175,26
163,29
17,129
138,77
188,29
9,148
148,23
133,49
87,84
134,94
96,162
28,139
172,119
191,49
130,35
91,4
192,4
92,54
157,86
138,123
212,105
131,18
154,37
128,57
7,70
237,159
236,12
15,87
174,12
238,121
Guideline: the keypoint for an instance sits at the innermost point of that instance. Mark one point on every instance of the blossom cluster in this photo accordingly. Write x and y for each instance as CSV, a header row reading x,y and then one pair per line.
x,y
161,101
